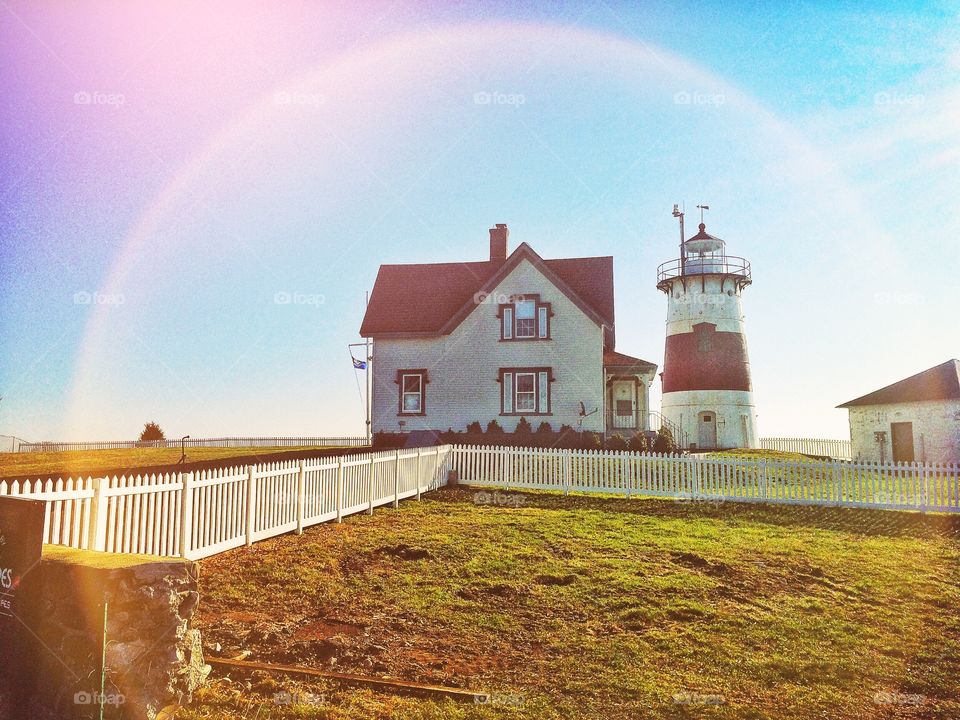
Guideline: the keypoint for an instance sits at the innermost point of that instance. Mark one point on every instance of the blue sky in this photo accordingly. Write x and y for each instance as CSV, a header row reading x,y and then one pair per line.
x,y
168,171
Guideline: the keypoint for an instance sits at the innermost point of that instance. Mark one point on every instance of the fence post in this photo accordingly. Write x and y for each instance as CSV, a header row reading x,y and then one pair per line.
x,y
765,481
396,480
97,538
925,482
251,502
370,486
340,488
839,483
186,514
567,470
301,489
418,469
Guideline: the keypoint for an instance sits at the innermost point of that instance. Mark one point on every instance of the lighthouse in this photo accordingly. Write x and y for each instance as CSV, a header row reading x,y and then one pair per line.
x,y
707,392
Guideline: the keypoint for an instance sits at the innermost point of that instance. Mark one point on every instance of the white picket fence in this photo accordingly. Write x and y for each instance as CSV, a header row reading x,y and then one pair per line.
x,y
198,514
889,486
48,446
823,447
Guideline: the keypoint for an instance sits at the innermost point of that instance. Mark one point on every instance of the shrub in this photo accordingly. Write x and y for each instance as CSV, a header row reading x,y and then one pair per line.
x,y
638,442
616,442
151,431
544,429
391,441
474,428
664,442
494,428
523,427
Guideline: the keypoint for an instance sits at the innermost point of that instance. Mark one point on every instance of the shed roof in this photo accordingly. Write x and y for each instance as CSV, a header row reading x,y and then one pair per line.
x,y
941,382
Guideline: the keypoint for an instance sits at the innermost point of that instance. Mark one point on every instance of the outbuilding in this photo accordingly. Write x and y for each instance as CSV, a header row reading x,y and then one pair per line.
x,y
914,420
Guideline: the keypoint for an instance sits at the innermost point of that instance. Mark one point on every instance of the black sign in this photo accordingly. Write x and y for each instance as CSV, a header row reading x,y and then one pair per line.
x,y
21,542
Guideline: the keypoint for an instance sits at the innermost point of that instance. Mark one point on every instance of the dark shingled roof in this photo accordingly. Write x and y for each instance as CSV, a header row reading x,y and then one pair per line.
x,y
423,299
938,383
611,358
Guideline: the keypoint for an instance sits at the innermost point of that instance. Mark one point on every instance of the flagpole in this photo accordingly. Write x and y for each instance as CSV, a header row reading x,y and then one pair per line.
x,y
369,359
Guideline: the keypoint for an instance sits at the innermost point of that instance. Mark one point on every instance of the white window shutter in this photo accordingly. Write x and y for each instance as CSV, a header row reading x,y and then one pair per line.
x,y
508,323
508,392
542,318
544,394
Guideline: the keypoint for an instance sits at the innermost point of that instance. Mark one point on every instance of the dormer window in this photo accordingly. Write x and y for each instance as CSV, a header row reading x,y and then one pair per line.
x,y
525,318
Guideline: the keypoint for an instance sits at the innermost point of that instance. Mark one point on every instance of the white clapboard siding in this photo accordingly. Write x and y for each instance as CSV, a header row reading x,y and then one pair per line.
x,y
199,514
895,486
821,447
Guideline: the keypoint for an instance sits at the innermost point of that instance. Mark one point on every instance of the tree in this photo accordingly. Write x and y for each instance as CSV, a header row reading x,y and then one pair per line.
x,y
664,442
151,431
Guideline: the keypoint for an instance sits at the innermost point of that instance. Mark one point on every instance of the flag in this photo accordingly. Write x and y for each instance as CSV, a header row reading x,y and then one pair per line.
x,y
358,364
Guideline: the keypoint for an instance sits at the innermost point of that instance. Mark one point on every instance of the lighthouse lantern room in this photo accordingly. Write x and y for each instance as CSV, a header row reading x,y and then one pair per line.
x,y
707,391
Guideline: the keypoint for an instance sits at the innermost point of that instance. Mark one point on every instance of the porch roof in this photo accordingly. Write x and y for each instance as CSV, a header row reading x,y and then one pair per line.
x,y
619,361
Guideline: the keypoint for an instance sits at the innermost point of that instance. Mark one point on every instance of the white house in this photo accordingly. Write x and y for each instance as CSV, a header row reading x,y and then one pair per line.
x,y
915,419
509,337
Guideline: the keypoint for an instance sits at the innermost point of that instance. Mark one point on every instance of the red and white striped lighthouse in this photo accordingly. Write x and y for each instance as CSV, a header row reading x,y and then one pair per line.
x,y
707,392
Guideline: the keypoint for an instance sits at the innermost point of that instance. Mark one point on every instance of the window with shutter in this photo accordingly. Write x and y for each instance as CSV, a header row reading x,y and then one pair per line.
x,y
525,391
525,318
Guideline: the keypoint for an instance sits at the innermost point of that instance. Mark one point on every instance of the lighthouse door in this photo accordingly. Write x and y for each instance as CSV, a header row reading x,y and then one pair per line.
x,y
707,430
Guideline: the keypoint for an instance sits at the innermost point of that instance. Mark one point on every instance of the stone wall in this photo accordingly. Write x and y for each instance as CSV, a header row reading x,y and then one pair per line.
x,y
153,657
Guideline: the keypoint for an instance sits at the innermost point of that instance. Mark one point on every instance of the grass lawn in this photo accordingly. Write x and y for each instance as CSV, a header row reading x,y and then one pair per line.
x,y
89,462
593,607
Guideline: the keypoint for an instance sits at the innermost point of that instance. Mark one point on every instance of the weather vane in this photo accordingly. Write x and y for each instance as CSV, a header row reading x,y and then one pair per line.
x,y
702,208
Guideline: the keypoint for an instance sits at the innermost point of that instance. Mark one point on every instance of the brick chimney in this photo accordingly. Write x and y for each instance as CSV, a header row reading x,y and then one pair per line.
x,y
498,242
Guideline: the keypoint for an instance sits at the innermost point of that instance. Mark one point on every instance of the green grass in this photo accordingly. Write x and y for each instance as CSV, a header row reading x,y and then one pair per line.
x,y
87,462
592,607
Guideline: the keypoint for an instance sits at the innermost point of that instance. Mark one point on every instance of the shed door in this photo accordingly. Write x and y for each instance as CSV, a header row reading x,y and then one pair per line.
x,y
901,434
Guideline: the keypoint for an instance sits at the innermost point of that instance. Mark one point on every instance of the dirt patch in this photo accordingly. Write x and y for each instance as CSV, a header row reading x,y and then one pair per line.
x,y
484,592
406,552
701,564
555,579
324,629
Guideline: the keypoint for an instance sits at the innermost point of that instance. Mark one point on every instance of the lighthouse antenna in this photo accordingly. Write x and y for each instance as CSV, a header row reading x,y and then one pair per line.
x,y
678,213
